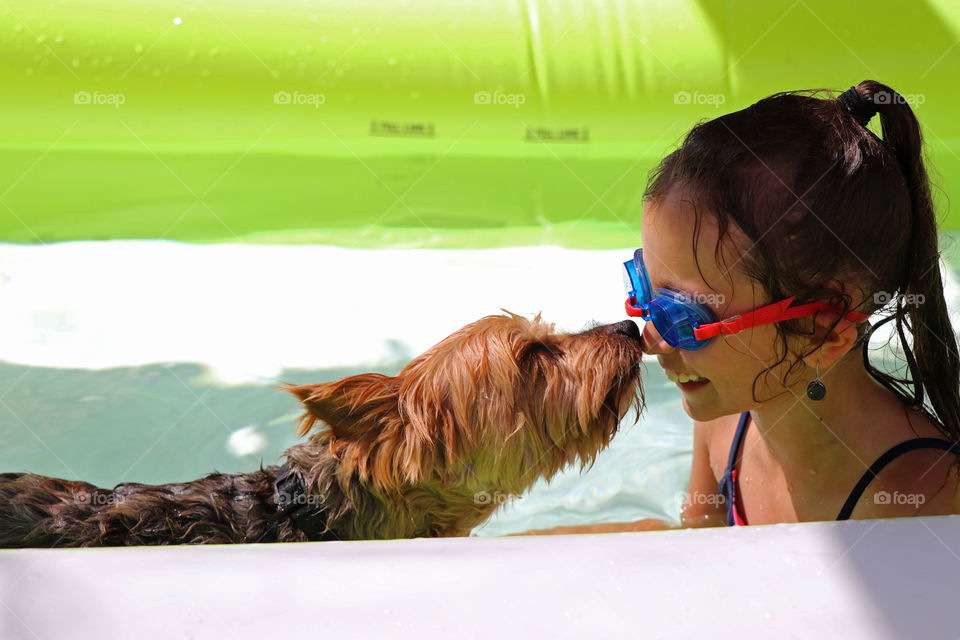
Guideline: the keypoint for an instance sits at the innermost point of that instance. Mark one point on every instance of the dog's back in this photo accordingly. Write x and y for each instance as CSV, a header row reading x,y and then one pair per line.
x,y
37,511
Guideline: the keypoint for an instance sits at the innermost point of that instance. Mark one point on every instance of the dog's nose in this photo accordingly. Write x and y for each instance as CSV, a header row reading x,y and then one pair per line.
x,y
627,328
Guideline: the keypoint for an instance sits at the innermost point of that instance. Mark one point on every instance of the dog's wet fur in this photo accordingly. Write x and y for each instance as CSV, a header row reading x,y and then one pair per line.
x,y
432,451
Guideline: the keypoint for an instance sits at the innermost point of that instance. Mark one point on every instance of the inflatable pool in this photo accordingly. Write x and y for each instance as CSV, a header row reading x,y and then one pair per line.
x,y
197,201
406,123
854,579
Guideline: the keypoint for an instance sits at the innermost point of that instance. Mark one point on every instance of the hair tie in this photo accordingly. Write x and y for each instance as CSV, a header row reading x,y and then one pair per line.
x,y
861,109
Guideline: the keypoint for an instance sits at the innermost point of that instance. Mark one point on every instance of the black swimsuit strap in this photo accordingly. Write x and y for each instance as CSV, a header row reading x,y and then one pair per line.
x,y
737,438
726,486
887,458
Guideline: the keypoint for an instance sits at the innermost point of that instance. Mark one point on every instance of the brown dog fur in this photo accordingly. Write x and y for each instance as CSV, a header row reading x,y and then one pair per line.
x,y
429,452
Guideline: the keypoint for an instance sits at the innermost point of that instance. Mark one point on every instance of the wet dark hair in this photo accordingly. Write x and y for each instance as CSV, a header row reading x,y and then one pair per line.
x,y
833,213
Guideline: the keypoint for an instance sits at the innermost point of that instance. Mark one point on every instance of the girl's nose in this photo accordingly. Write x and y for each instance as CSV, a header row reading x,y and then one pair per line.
x,y
653,342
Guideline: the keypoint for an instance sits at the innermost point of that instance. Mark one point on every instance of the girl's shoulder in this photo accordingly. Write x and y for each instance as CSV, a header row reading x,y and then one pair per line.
x,y
920,482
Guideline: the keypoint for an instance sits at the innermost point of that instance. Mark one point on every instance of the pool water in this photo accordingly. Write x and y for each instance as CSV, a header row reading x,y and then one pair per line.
x,y
156,361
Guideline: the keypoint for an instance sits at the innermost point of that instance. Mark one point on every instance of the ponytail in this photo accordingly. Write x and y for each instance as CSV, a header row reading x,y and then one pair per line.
x,y
932,359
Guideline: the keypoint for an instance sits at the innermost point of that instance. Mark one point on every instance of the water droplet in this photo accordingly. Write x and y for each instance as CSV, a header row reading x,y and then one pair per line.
x,y
177,20
313,18
41,39
391,61
323,38
138,48
18,27
75,63
59,39
308,49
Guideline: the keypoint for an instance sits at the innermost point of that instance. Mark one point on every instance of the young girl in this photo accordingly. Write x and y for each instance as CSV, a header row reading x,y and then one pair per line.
x,y
792,207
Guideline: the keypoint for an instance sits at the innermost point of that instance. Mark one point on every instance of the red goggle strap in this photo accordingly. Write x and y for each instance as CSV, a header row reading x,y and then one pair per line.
x,y
632,311
769,314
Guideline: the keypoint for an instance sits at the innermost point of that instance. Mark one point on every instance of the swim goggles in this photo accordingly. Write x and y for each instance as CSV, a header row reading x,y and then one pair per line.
x,y
684,323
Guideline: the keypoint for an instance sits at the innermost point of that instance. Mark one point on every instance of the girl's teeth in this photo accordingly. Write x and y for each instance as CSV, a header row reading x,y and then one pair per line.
x,y
685,377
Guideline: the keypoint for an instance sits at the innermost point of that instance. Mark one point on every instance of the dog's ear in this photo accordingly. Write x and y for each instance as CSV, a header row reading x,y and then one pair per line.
x,y
346,405
366,430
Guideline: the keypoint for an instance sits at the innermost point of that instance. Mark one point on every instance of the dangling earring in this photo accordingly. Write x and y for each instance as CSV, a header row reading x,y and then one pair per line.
x,y
816,389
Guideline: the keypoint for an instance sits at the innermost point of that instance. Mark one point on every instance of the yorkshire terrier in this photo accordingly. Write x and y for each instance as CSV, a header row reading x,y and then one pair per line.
x,y
485,413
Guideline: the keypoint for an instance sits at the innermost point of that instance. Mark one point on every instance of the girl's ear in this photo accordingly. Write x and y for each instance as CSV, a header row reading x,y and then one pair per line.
x,y
836,341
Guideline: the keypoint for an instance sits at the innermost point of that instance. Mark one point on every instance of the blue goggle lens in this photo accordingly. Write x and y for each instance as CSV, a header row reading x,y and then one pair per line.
x,y
675,317
673,314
